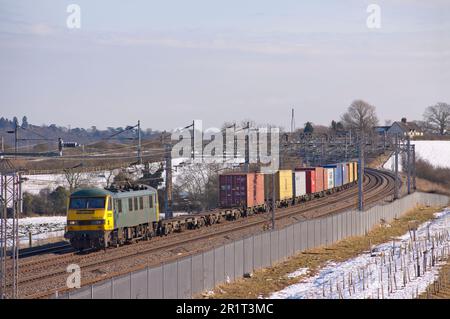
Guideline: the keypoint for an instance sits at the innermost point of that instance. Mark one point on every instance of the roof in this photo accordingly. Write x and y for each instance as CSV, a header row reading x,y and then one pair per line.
x,y
381,128
331,165
90,192
132,193
100,192
408,126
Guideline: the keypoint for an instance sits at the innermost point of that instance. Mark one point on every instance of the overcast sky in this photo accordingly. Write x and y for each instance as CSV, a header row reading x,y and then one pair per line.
x,y
168,62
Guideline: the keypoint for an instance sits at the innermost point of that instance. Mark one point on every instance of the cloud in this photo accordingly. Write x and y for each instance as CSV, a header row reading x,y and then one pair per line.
x,y
219,42
394,44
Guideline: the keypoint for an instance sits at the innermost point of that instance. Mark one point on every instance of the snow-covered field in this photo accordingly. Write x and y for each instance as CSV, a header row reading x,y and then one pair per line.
x,y
435,152
40,227
35,183
393,270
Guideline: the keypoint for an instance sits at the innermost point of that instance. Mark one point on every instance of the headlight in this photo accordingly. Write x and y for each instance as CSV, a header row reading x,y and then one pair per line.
x,y
72,222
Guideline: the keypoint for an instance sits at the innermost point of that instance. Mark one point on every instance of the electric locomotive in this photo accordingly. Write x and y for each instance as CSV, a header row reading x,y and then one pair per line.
x,y
98,218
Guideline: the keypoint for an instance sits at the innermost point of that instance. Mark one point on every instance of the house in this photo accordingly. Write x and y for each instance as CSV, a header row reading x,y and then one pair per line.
x,y
404,128
381,130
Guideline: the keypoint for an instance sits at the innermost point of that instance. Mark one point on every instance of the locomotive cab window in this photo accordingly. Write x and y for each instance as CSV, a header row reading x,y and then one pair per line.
x,y
119,205
109,203
130,204
136,207
141,202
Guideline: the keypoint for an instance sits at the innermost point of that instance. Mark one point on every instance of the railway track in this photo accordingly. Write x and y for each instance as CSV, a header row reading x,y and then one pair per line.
x,y
378,185
59,248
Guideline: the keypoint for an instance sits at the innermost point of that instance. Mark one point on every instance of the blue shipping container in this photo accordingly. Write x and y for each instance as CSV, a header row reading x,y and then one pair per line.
x,y
338,179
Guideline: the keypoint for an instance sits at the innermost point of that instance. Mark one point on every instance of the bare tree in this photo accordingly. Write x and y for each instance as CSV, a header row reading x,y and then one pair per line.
x,y
110,173
438,117
73,178
425,126
199,181
360,116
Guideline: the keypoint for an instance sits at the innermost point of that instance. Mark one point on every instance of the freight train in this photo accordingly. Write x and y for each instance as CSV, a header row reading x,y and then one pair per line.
x,y
99,218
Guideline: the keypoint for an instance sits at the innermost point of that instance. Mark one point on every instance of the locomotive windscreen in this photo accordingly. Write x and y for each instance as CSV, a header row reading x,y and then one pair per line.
x,y
87,202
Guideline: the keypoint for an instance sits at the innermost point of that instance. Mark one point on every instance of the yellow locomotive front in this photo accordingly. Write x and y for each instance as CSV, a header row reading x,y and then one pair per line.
x,y
89,218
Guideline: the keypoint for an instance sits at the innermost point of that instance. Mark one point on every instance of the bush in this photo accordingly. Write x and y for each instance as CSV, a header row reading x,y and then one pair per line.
x,y
426,170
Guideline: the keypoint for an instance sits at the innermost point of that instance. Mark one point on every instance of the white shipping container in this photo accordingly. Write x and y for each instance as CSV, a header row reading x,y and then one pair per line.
x,y
300,183
330,177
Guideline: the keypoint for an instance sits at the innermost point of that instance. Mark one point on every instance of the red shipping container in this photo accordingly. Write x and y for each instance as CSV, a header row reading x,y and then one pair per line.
x,y
241,189
319,179
310,179
310,182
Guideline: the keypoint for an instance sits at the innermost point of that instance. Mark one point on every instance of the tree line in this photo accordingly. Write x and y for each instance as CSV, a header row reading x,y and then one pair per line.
x,y
52,132
361,116
47,202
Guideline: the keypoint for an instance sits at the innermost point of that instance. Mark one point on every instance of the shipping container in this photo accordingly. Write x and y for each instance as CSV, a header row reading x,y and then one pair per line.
x,y
310,176
319,179
299,183
350,172
338,171
338,175
241,189
328,178
283,185
344,173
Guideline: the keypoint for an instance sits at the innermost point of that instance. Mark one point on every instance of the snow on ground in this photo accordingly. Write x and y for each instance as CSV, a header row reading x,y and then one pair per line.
x,y
299,272
435,152
175,214
35,183
40,227
388,272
